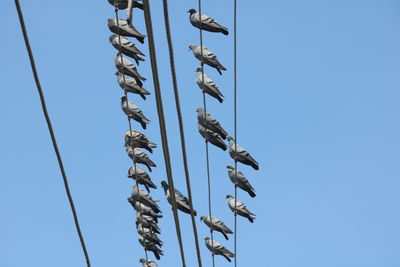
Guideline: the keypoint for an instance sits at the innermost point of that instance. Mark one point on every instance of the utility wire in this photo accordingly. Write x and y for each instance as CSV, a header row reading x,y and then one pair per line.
x,y
181,128
51,131
206,142
161,118
235,116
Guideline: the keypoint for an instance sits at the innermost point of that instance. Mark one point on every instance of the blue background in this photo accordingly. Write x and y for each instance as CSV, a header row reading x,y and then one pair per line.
x,y
318,107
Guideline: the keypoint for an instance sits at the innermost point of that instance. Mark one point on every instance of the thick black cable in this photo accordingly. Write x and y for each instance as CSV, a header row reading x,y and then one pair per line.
x,y
161,118
51,131
181,128
235,117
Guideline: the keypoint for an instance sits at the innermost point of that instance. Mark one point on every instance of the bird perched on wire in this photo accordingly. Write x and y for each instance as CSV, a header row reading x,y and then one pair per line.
x,y
208,57
125,29
147,217
208,86
238,153
217,225
133,112
204,22
143,197
123,4
150,246
126,67
130,85
135,138
143,209
241,209
148,234
138,156
211,123
240,180
211,137
182,203
218,249
152,225
147,263
140,176
127,48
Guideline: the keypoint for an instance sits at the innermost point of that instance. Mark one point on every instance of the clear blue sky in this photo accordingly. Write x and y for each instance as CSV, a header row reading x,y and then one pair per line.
x,y
318,107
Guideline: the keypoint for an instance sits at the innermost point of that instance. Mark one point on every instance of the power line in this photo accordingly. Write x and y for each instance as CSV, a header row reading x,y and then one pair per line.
x,y
181,128
235,117
161,118
51,131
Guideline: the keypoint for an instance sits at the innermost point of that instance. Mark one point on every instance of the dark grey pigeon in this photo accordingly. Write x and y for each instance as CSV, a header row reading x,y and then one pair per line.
x,y
150,246
127,48
238,153
211,137
218,249
208,57
204,22
137,139
147,263
241,208
133,112
240,180
152,225
182,203
142,208
208,86
143,197
125,29
211,123
139,156
217,225
126,67
148,234
130,85
140,176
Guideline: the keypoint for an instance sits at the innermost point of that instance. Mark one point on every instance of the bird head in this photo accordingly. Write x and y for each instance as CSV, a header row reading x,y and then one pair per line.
x,y
229,167
199,110
230,139
142,260
229,197
117,73
191,11
192,47
112,36
207,238
198,69
123,98
202,218
164,185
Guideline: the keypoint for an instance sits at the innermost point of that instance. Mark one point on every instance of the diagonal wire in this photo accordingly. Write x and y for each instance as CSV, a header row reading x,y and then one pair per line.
x,y
50,128
181,128
161,118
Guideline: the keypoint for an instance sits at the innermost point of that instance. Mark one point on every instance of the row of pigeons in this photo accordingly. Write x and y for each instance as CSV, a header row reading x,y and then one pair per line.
x,y
129,79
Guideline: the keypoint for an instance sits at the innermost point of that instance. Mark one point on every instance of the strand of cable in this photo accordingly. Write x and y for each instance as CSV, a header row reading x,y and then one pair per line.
x,y
127,100
235,117
161,118
206,142
181,128
51,131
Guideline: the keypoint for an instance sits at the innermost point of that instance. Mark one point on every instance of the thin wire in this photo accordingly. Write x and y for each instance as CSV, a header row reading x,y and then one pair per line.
x,y
181,128
161,118
51,131
235,119
206,142
129,119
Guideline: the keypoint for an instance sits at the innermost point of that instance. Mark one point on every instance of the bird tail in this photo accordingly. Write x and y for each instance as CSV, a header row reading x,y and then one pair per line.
x,y
220,67
144,98
219,71
251,193
220,99
254,165
226,257
144,125
251,219
225,235
225,31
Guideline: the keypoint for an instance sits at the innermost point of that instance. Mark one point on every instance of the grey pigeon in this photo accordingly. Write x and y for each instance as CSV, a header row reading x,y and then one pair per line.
x,y
208,86
130,85
138,156
211,137
208,57
123,4
211,123
127,48
217,225
241,209
182,203
238,153
152,225
204,22
143,197
150,246
140,176
147,263
218,249
135,138
133,112
240,180
143,209
147,217
126,67
148,234
125,29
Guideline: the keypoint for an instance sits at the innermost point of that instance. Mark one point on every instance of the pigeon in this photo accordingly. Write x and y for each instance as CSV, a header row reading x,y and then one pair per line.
x,y
241,209
148,234
143,197
208,57
127,48
143,209
202,21
140,176
147,263
216,225
126,67
152,225
133,112
137,139
138,156
124,29
210,123
208,86
238,153
212,137
123,4
147,217
240,180
218,249
130,85
150,246
182,203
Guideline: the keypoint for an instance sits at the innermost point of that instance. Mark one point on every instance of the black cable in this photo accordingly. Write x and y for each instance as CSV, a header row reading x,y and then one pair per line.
x,y
161,118
51,131
181,128
235,119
